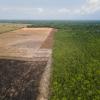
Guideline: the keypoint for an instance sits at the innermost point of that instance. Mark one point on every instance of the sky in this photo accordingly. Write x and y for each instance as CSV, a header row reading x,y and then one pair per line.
x,y
50,9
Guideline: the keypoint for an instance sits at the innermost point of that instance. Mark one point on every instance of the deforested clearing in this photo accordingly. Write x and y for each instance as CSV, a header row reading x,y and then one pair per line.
x,y
23,60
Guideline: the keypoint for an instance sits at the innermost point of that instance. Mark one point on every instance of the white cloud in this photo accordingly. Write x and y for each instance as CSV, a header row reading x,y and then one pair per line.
x,y
64,10
92,1
91,6
22,9
40,10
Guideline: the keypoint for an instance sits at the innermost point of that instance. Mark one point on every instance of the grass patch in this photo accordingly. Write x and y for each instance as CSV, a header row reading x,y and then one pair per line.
x,y
9,27
76,63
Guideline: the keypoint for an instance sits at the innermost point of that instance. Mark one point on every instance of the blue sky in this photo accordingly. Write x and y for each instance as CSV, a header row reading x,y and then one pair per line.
x,y
50,9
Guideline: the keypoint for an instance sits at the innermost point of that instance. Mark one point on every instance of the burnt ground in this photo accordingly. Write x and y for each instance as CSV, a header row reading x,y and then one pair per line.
x,y
19,80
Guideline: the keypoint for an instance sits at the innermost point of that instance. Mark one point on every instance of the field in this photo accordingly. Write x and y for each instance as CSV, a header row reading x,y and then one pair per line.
x,y
76,63
24,56
9,27
23,42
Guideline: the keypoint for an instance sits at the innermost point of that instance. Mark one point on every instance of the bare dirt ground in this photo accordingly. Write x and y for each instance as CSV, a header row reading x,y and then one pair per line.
x,y
23,42
23,57
48,43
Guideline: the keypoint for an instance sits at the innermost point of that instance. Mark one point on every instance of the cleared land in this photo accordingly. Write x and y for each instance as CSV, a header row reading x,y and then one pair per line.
x,y
23,42
23,60
20,80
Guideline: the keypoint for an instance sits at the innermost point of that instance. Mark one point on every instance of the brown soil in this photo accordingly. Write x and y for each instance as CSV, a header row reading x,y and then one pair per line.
x,y
19,80
48,43
22,40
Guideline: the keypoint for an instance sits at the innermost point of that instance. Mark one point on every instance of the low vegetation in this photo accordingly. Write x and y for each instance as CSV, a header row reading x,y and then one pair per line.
x,y
76,63
9,27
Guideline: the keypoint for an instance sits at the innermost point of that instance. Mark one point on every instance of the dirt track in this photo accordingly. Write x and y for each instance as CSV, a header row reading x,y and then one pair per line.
x,y
23,57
